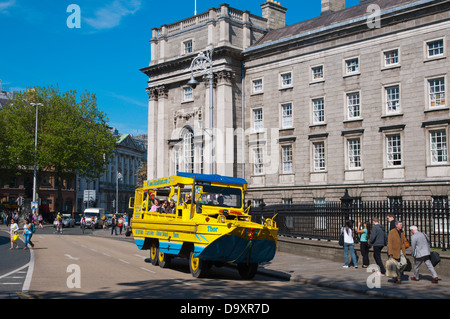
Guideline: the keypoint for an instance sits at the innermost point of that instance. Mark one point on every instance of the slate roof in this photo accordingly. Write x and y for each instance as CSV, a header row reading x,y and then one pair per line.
x,y
329,19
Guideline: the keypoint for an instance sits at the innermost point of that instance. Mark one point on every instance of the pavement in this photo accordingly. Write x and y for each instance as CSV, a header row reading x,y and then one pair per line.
x,y
326,273
330,274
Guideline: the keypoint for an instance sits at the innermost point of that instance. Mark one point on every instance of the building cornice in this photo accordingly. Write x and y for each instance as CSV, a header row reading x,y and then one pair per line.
x,y
349,26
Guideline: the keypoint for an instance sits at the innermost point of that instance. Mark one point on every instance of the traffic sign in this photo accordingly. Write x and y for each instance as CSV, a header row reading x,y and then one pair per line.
x,y
89,195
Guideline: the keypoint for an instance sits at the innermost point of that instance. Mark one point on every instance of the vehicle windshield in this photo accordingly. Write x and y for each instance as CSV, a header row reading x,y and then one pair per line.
x,y
90,214
218,196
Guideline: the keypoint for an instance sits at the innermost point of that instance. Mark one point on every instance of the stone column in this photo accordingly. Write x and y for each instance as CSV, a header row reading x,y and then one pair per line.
x,y
162,148
224,128
152,132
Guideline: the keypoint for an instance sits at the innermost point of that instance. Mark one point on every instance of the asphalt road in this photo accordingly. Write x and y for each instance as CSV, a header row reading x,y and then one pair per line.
x,y
13,266
72,266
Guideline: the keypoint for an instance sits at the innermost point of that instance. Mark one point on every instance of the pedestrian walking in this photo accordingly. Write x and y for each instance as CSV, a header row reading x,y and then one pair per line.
x,y
83,224
59,223
349,243
120,224
27,234
378,239
40,220
397,250
14,233
113,225
420,250
391,222
363,242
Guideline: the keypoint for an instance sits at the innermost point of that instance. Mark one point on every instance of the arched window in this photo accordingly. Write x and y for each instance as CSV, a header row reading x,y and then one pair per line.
x,y
188,150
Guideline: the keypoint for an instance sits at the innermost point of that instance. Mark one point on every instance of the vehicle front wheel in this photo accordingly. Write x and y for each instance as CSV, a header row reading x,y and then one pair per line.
x,y
154,252
198,267
164,260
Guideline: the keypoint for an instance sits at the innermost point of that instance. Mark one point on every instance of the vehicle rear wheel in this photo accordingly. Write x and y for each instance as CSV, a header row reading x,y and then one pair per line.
x,y
164,260
154,252
247,271
198,267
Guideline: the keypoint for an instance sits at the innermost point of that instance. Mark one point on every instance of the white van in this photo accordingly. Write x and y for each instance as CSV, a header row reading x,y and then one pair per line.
x,y
98,213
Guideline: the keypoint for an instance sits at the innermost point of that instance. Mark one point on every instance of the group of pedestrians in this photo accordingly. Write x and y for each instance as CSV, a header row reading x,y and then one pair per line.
x,y
396,242
28,229
121,223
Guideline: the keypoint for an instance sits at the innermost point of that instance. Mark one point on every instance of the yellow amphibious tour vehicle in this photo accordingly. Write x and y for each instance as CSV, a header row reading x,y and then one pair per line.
x,y
208,224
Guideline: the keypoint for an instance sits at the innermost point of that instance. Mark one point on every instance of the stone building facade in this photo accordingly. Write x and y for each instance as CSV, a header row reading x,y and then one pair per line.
x,y
353,99
119,179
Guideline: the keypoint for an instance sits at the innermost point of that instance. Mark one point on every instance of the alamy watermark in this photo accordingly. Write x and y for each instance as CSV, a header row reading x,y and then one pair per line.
x,y
374,20
74,19
74,279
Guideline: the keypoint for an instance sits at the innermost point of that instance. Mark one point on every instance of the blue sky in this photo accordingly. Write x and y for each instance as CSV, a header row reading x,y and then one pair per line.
x,y
105,54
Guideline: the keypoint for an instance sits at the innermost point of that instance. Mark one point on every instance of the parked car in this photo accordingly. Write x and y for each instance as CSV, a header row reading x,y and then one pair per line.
x,y
78,219
68,221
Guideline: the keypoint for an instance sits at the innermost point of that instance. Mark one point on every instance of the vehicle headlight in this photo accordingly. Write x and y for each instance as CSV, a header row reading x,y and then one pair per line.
x,y
222,219
268,222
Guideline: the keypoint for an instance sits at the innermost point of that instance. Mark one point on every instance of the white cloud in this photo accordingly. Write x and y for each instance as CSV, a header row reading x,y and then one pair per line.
x,y
5,5
111,15
128,99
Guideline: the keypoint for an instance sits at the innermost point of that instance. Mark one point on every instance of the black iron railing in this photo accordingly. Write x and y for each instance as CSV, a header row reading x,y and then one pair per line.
x,y
325,221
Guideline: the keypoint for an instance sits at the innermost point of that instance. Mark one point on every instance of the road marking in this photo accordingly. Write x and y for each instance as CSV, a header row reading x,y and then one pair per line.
x,y
124,261
70,257
106,254
148,270
137,255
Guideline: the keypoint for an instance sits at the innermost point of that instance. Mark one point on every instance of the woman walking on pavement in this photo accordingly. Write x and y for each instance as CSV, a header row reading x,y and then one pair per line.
x,y
349,243
363,242
27,233
14,228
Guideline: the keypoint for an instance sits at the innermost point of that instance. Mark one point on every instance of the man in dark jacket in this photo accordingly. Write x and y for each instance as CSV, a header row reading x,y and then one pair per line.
x,y
378,239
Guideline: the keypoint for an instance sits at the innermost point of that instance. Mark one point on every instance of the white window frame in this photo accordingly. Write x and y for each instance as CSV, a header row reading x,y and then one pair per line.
x,y
287,155
353,157
442,148
313,74
394,150
188,97
257,123
442,95
185,46
258,161
188,151
357,67
349,115
254,86
385,58
389,101
441,48
319,163
316,111
283,84
287,121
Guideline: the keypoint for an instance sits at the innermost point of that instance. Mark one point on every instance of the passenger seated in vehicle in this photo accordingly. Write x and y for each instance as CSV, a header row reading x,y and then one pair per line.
x,y
171,209
164,207
156,206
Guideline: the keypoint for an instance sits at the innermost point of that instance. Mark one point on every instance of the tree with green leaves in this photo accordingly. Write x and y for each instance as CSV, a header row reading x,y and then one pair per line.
x,y
73,134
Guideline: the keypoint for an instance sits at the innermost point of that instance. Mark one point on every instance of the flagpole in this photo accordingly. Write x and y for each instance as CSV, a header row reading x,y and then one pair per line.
x,y
195,12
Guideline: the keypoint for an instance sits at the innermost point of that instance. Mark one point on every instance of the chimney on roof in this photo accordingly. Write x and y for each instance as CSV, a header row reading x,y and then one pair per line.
x,y
329,6
274,13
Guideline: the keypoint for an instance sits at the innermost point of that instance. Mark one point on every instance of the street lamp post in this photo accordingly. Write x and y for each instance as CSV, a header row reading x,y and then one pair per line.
x,y
203,62
118,176
35,151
